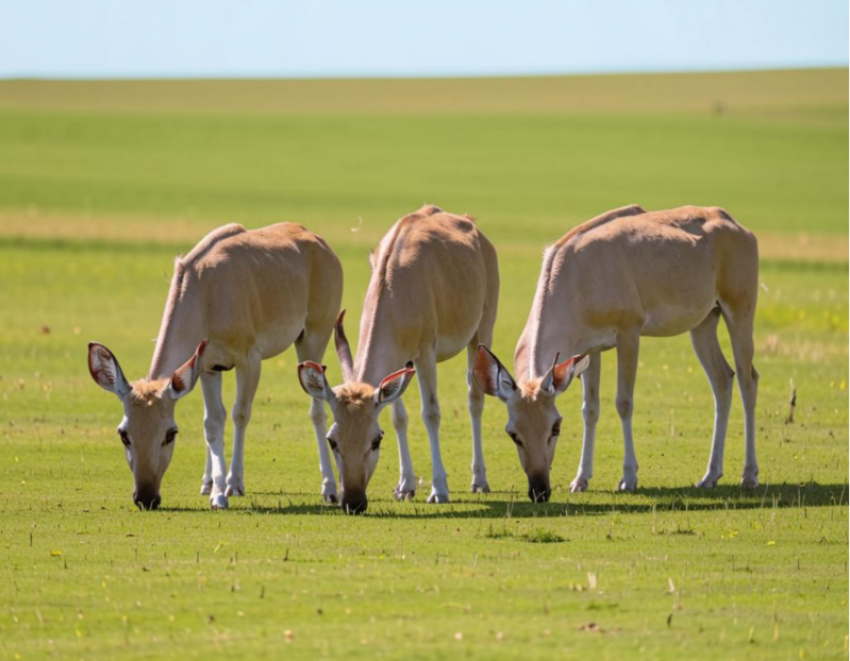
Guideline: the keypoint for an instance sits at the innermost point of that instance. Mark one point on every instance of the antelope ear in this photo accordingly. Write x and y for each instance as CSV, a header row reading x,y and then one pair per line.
x,y
564,373
491,375
186,376
106,372
311,376
394,385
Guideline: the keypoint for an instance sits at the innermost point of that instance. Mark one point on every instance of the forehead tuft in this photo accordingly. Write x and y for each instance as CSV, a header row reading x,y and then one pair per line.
x,y
147,393
356,395
530,389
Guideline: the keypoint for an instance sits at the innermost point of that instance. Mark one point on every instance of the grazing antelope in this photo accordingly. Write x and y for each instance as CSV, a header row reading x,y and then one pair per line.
x,y
252,294
625,274
433,292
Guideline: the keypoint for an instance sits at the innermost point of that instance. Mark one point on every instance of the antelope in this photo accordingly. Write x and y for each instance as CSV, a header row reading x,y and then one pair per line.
x,y
434,291
238,298
626,274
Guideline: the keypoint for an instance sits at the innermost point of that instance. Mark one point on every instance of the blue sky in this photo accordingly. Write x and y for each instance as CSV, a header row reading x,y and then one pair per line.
x,y
302,38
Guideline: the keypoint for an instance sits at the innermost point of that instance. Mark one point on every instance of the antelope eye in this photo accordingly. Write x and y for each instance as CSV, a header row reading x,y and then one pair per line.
x,y
332,443
376,444
514,438
170,435
556,428
125,439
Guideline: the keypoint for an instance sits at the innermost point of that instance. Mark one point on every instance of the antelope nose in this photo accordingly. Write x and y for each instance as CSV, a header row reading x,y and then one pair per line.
x,y
147,501
354,503
539,491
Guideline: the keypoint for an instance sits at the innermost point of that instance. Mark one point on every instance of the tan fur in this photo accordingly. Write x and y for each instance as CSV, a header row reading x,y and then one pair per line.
x,y
355,396
144,390
247,290
433,292
531,388
625,274
413,294
251,294
658,272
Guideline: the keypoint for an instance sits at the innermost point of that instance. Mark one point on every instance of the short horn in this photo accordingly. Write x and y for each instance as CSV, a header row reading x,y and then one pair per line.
x,y
343,351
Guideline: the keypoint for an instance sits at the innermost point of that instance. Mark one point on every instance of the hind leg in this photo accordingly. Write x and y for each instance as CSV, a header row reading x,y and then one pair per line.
x,y
476,411
720,377
628,346
311,346
206,480
247,380
741,333
426,375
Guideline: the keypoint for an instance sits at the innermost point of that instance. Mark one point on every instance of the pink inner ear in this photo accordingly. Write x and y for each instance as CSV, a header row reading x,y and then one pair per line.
x,y
178,383
178,380
560,371
309,364
486,370
100,365
396,375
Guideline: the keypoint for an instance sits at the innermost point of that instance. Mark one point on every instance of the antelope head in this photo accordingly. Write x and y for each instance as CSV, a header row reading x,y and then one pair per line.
x,y
148,429
355,436
534,423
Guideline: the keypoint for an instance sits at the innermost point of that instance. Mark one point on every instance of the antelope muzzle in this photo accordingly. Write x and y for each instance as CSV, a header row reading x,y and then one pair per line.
x,y
353,502
538,489
146,498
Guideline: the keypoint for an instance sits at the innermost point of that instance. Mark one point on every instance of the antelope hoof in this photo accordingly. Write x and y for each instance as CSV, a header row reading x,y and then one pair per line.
x,y
406,488
219,502
627,483
235,485
480,487
578,485
749,482
206,487
234,490
400,494
708,482
329,491
438,497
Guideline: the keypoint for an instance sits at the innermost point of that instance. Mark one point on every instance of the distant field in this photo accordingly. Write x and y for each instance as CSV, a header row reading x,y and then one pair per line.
x,y
102,183
808,91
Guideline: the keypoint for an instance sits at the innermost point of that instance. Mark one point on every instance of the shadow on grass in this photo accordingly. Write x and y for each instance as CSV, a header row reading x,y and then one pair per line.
x,y
505,504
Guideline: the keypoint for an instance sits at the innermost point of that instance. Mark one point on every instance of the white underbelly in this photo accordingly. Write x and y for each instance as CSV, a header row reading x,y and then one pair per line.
x,y
275,341
668,320
449,347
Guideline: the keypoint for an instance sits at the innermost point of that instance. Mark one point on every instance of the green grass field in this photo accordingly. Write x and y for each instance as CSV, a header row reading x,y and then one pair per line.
x,y
101,184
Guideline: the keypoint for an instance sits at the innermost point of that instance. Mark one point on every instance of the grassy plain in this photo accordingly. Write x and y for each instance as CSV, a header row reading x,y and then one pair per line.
x,y
101,184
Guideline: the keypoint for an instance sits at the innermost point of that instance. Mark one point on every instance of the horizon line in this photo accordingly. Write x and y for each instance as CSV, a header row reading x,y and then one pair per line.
x,y
414,76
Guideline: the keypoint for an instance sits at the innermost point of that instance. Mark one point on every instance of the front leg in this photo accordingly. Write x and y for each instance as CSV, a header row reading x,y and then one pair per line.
x,y
215,416
628,346
590,413
426,371
206,479
319,420
406,488
247,380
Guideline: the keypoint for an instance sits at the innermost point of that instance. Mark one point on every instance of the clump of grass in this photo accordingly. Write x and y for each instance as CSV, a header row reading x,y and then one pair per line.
x,y
504,533
540,536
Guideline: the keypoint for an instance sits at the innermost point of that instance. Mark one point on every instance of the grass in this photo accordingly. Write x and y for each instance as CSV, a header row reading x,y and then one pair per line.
x,y
96,200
